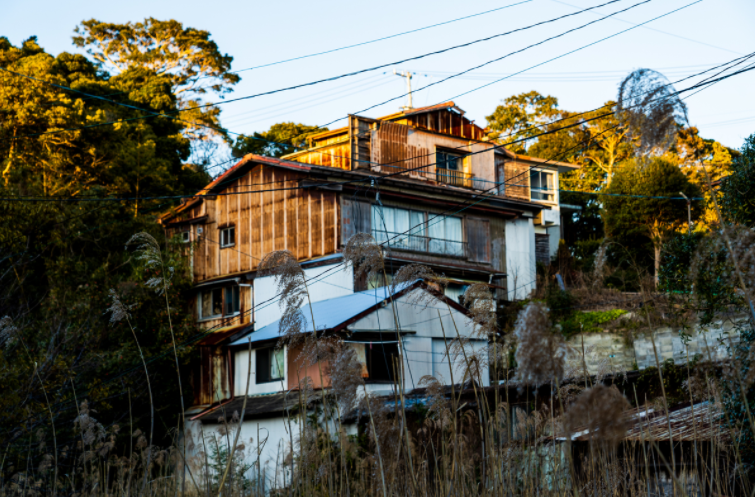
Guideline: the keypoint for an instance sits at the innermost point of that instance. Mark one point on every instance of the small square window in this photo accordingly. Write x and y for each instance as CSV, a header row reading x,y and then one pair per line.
x,y
186,236
228,237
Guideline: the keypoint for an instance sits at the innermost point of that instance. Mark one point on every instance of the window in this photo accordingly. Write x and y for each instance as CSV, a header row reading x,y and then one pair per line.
x,y
542,186
449,169
445,235
270,364
448,160
399,228
228,237
418,231
186,236
231,299
382,361
217,302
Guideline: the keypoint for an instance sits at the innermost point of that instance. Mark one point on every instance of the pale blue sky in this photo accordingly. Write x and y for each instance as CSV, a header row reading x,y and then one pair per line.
x,y
256,33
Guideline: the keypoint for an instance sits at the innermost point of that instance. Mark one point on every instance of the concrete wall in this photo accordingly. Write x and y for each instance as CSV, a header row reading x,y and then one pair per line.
x,y
520,258
610,351
324,282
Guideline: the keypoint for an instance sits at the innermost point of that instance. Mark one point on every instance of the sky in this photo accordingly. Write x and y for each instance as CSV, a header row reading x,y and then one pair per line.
x,y
700,35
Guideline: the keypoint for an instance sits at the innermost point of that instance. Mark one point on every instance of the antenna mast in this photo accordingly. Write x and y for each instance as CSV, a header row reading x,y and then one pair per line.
x,y
408,76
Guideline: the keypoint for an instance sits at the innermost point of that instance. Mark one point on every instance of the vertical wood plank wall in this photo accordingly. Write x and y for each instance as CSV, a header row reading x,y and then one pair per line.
x,y
268,213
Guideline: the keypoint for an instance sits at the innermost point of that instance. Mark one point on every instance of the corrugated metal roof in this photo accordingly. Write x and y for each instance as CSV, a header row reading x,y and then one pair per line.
x,y
702,421
329,313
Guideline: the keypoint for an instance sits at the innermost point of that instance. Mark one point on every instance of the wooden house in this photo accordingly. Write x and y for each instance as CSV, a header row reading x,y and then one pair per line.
x,y
424,182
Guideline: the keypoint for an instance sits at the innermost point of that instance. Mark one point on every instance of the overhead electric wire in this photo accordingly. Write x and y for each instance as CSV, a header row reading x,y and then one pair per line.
x,y
370,177
381,39
530,46
662,32
269,301
319,81
592,22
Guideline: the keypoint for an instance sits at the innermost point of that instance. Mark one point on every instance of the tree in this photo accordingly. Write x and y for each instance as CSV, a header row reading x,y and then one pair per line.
x,y
638,203
281,139
186,57
59,259
609,145
519,116
691,152
738,188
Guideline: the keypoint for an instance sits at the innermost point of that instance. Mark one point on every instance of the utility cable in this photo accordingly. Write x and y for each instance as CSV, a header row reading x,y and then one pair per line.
x,y
332,78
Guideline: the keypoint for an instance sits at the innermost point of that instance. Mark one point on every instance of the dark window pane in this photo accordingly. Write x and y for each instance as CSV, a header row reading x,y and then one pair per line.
x,y
232,299
231,236
217,302
263,365
381,361
206,303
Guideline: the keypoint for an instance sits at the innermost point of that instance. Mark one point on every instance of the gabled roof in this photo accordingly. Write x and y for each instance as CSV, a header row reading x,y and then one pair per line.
x,y
335,314
237,168
422,110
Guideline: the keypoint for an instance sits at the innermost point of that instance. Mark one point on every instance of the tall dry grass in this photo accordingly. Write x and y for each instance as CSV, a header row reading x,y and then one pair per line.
x,y
549,428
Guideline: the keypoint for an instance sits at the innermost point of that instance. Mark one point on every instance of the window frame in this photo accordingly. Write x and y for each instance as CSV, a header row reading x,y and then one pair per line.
x,y
185,236
540,194
449,153
235,301
227,232
262,367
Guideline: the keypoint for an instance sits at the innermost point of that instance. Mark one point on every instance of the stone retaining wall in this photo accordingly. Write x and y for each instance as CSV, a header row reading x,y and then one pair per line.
x,y
607,352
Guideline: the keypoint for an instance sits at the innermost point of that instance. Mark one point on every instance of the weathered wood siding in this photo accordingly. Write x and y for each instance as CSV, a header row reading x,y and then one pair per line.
x,y
445,121
269,212
336,155
514,178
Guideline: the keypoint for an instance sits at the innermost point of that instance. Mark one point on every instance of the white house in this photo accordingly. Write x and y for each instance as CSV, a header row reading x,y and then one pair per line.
x,y
411,323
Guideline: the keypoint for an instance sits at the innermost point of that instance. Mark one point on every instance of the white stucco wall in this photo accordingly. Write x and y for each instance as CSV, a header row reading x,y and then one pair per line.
x,y
240,369
425,322
324,282
520,258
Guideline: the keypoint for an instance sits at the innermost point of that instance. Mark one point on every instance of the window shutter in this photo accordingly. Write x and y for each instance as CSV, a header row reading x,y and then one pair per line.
x,y
355,218
478,239
542,248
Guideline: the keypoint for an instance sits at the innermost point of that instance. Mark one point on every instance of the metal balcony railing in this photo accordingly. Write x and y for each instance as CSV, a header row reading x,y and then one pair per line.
x,y
420,243
439,175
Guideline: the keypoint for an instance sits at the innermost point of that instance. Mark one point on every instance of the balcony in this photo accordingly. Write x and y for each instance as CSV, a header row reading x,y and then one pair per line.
x,y
421,243
445,176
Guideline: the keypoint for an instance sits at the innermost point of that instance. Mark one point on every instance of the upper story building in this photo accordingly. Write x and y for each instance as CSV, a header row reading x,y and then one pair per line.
x,y
424,182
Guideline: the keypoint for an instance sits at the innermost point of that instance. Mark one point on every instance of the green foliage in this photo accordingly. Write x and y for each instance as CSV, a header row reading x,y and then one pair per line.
x,y
560,303
517,118
737,199
739,395
60,259
678,254
281,139
639,207
589,322
674,378
186,58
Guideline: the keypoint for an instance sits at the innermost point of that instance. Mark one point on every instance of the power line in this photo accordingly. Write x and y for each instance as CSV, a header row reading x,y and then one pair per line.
x,y
332,78
368,178
663,32
381,39
530,46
